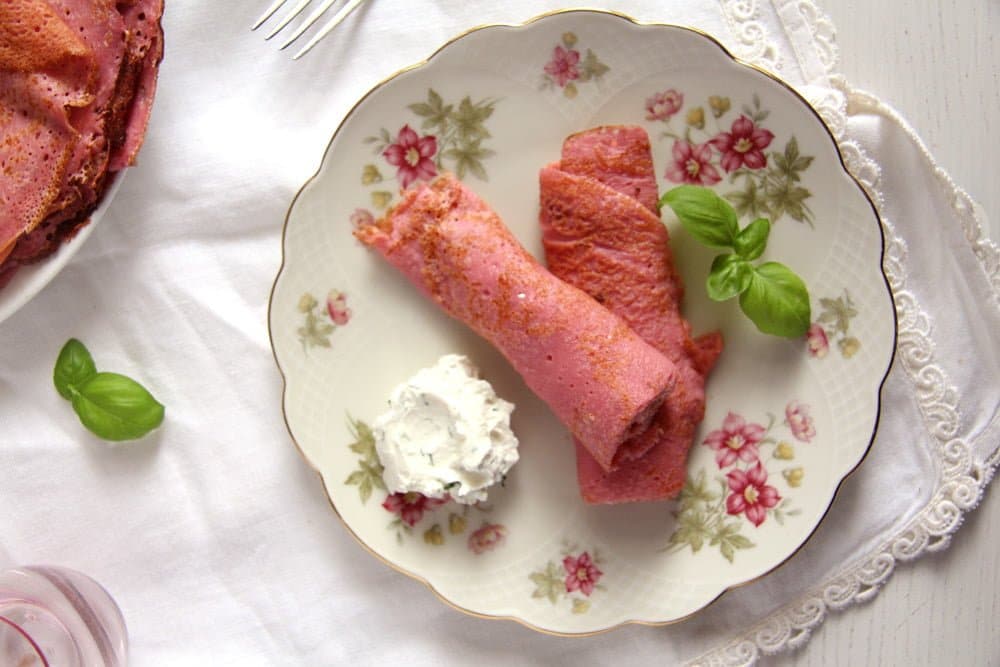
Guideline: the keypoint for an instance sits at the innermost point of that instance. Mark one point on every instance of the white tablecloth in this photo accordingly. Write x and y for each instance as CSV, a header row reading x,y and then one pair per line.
x,y
218,541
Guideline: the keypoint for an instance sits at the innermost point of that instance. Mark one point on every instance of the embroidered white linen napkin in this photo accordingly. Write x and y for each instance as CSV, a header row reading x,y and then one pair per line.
x,y
218,541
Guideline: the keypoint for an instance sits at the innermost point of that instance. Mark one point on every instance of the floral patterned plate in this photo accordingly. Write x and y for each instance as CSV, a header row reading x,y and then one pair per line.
x,y
786,420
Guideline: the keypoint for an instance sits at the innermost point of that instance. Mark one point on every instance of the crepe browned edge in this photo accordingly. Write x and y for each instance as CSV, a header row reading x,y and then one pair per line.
x,y
61,226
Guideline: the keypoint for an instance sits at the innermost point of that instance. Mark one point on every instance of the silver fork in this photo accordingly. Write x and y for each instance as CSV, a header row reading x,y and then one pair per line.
x,y
299,7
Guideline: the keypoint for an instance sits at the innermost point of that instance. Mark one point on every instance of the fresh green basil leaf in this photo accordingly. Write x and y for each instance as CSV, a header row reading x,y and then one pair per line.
x,y
777,301
752,239
704,214
115,407
730,275
73,367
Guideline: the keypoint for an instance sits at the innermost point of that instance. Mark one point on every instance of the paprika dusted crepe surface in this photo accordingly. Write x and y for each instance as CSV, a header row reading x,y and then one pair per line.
x,y
600,379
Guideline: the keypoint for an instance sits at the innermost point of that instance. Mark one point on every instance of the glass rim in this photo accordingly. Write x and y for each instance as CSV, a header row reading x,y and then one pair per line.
x,y
30,642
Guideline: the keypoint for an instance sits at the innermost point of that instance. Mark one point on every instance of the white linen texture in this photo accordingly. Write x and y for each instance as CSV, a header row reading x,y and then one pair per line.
x,y
218,541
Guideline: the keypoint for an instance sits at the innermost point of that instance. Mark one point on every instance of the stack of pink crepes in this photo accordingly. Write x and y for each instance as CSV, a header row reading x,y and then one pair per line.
x,y
77,79
600,338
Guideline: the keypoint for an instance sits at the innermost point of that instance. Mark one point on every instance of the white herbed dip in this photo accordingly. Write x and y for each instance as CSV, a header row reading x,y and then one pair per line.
x,y
446,433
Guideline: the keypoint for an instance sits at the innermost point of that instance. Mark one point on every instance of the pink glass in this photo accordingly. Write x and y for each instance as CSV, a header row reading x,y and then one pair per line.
x,y
55,617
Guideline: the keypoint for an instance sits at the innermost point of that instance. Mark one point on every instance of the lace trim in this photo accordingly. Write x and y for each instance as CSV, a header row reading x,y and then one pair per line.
x,y
969,213
961,480
743,18
822,35
810,35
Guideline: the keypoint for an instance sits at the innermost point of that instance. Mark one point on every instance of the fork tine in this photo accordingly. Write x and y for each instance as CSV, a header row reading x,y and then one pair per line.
x,y
325,30
268,13
292,13
307,23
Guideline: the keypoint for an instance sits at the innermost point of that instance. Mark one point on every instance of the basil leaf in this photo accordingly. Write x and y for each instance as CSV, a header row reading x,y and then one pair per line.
x,y
704,214
115,407
73,367
771,295
752,240
730,275
777,301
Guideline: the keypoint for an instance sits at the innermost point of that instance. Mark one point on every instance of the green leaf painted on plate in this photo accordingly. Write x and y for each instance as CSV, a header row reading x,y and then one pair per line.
x,y
548,583
368,475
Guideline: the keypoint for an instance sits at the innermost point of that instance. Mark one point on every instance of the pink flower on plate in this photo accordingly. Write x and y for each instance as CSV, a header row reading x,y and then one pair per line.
x,y
581,573
817,341
487,538
336,307
743,145
562,67
411,506
661,106
736,439
750,494
798,419
361,217
692,164
411,155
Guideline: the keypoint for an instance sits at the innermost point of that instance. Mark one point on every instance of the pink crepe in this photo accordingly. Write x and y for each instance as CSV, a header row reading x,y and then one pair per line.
x,y
601,234
618,156
46,72
143,53
77,79
100,27
599,378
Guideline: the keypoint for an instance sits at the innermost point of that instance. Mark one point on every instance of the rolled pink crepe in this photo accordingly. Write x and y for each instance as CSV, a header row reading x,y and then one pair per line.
x,y
602,234
599,378
620,157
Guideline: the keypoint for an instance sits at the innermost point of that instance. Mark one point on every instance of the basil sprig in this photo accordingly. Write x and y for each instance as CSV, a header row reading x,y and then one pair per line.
x,y
771,295
112,406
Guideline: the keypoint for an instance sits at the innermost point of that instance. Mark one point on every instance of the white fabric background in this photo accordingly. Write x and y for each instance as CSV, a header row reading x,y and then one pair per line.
x,y
216,539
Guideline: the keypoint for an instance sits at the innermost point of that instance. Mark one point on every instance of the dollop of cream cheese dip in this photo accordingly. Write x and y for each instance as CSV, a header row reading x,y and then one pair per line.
x,y
446,433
